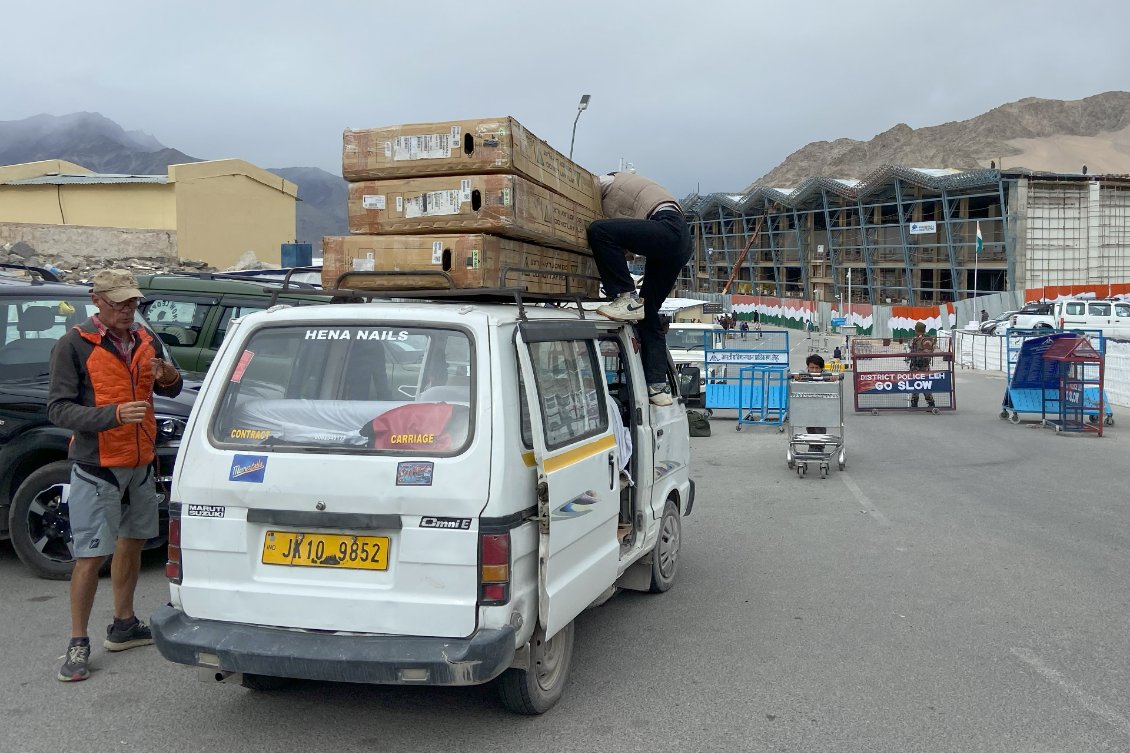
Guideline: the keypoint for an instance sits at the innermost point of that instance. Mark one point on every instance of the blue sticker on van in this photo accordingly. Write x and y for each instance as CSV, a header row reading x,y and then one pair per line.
x,y
414,473
250,468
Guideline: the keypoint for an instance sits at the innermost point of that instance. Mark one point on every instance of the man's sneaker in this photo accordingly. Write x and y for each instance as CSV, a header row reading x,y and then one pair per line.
x,y
659,394
75,661
120,637
626,308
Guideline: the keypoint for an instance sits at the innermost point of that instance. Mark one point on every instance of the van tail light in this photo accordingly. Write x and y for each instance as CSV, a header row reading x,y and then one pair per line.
x,y
1061,322
172,565
494,568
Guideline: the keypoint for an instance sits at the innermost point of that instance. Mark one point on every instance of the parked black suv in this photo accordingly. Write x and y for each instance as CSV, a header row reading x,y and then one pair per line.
x,y
34,470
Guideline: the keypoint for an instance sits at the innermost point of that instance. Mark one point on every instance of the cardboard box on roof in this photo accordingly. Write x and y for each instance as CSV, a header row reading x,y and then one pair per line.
x,y
465,147
499,204
472,261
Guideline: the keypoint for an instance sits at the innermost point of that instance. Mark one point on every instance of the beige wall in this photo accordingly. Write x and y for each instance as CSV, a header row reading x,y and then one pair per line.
x,y
228,207
38,169
129,205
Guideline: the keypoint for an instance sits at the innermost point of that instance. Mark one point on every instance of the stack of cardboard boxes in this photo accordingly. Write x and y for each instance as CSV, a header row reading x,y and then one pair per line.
x,y
484,201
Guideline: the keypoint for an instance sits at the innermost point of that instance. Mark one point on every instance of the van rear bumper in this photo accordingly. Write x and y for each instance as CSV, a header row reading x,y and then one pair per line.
x,y
375,659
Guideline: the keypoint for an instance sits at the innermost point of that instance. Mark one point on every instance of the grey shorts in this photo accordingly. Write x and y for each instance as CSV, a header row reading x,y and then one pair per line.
x,y
99,517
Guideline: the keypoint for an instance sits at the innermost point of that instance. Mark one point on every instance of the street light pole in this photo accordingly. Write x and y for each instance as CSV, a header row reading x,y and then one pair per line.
x,y
849,297
581,107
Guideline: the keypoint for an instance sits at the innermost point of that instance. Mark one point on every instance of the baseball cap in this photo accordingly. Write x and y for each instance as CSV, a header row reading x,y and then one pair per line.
x,y
116,285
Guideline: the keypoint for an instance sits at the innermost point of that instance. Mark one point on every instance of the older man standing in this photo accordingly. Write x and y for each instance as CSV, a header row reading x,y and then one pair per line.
x,y
645,219
103,376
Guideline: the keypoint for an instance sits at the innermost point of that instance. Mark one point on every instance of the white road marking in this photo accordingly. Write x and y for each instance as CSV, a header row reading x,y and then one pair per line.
x,y
1092,703
865,501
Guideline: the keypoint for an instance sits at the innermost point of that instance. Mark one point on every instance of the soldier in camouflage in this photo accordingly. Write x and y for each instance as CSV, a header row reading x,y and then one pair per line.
x,y
922,343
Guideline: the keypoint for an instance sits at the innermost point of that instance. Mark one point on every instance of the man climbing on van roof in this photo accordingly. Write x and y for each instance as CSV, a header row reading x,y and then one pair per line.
x,y
646,220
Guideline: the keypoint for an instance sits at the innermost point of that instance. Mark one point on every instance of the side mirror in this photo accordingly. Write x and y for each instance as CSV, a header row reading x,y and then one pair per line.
x,y
690,378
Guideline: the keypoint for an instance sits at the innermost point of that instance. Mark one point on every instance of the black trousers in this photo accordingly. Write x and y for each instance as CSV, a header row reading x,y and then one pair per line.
x,y
665,241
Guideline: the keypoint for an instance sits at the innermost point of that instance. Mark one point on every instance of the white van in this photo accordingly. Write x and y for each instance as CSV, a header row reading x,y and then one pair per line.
x,y
417,493
1112,317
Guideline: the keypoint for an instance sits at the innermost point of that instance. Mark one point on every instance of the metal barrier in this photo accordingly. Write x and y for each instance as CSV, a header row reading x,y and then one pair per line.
x,y
762,395
726,352
885,380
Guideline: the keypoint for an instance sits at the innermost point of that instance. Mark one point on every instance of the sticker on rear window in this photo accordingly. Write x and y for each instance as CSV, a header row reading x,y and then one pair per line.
x,y
456,524
414,473
244,362
250,468
249,434
361,334
206,511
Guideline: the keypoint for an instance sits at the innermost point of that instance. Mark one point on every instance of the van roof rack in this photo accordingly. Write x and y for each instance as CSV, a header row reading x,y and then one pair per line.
x,y
441,287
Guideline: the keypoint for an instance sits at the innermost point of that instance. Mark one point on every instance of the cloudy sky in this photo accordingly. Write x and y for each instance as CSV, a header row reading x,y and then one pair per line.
x,y
699,95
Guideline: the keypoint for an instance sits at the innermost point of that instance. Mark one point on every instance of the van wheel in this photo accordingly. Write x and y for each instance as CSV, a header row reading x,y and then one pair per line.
x,y
39,521
264,682
665,555
537,687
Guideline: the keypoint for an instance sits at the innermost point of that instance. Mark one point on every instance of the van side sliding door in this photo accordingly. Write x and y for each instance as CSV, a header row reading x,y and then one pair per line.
x,y
578,479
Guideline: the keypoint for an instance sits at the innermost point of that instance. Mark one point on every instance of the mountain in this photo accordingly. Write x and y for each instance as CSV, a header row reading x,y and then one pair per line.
x,y
87,139
98,143
1038,134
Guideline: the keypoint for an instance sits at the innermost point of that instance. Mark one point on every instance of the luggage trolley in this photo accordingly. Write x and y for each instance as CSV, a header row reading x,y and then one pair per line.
x,y
816,400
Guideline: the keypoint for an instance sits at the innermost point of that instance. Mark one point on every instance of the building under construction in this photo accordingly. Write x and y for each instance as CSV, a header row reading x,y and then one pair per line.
x,y
909,236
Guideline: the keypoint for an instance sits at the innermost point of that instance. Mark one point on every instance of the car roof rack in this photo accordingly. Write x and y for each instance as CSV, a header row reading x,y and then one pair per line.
x,y
441,287
285,280
45,275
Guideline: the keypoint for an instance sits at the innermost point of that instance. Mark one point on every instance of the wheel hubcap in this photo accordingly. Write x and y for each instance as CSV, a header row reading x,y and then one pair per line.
x,y
668,547
549,658
48,523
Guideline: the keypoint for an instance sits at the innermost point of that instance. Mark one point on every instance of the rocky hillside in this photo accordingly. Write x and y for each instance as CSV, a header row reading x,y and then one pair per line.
x,y
1038,134
98,143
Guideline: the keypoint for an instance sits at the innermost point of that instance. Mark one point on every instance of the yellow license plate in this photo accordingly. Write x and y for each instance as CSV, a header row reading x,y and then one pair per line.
x,y
325,550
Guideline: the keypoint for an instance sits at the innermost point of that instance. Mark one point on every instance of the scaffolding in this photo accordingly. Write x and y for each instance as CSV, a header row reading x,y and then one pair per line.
x,y
909,236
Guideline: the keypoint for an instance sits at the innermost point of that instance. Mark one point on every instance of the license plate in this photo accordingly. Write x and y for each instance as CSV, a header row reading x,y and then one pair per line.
x,y
325,550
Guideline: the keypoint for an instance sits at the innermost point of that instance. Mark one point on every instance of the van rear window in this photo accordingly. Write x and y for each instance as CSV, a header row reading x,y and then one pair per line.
x,y
385,389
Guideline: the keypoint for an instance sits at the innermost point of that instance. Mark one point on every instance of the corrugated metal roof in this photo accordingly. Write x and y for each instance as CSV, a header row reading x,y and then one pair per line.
x,y
87,179
810,189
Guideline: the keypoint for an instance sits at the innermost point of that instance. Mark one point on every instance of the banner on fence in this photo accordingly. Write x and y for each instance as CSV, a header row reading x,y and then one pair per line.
x,y
881,382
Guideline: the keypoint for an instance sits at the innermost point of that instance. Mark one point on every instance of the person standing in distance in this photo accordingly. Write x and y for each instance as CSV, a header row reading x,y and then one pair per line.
x,y
103,376
922,343
646,220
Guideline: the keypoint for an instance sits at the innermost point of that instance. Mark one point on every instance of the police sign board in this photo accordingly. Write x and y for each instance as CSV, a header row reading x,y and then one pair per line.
x,y
882,382
751,357
712,308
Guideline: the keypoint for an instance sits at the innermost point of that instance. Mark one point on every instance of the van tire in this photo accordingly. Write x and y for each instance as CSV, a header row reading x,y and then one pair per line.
x,y
665,554
536,688
21,521
264,682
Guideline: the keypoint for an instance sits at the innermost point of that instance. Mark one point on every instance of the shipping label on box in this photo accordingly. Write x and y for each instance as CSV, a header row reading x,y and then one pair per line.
x,y
498,204
469,260
492,145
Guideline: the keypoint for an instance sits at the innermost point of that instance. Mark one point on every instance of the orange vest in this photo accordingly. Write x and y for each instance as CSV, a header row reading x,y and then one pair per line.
x,y
128,445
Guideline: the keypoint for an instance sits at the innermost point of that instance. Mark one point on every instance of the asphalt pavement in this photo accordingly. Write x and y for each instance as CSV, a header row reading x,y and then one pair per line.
x,y
960,587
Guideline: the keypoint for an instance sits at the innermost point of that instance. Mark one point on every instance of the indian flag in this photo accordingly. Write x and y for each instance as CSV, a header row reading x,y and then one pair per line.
x,y
980,243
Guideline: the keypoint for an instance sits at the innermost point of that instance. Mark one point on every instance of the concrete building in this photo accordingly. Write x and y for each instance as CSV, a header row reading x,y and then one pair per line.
x,y
215,211
909,236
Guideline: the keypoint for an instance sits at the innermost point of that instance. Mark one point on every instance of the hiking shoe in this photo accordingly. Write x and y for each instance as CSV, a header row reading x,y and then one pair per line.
x,y
659,394
626,308
120,637
75,661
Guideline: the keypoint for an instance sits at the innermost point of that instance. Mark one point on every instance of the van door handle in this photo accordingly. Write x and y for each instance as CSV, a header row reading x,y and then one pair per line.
x,y
612,470
659,432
